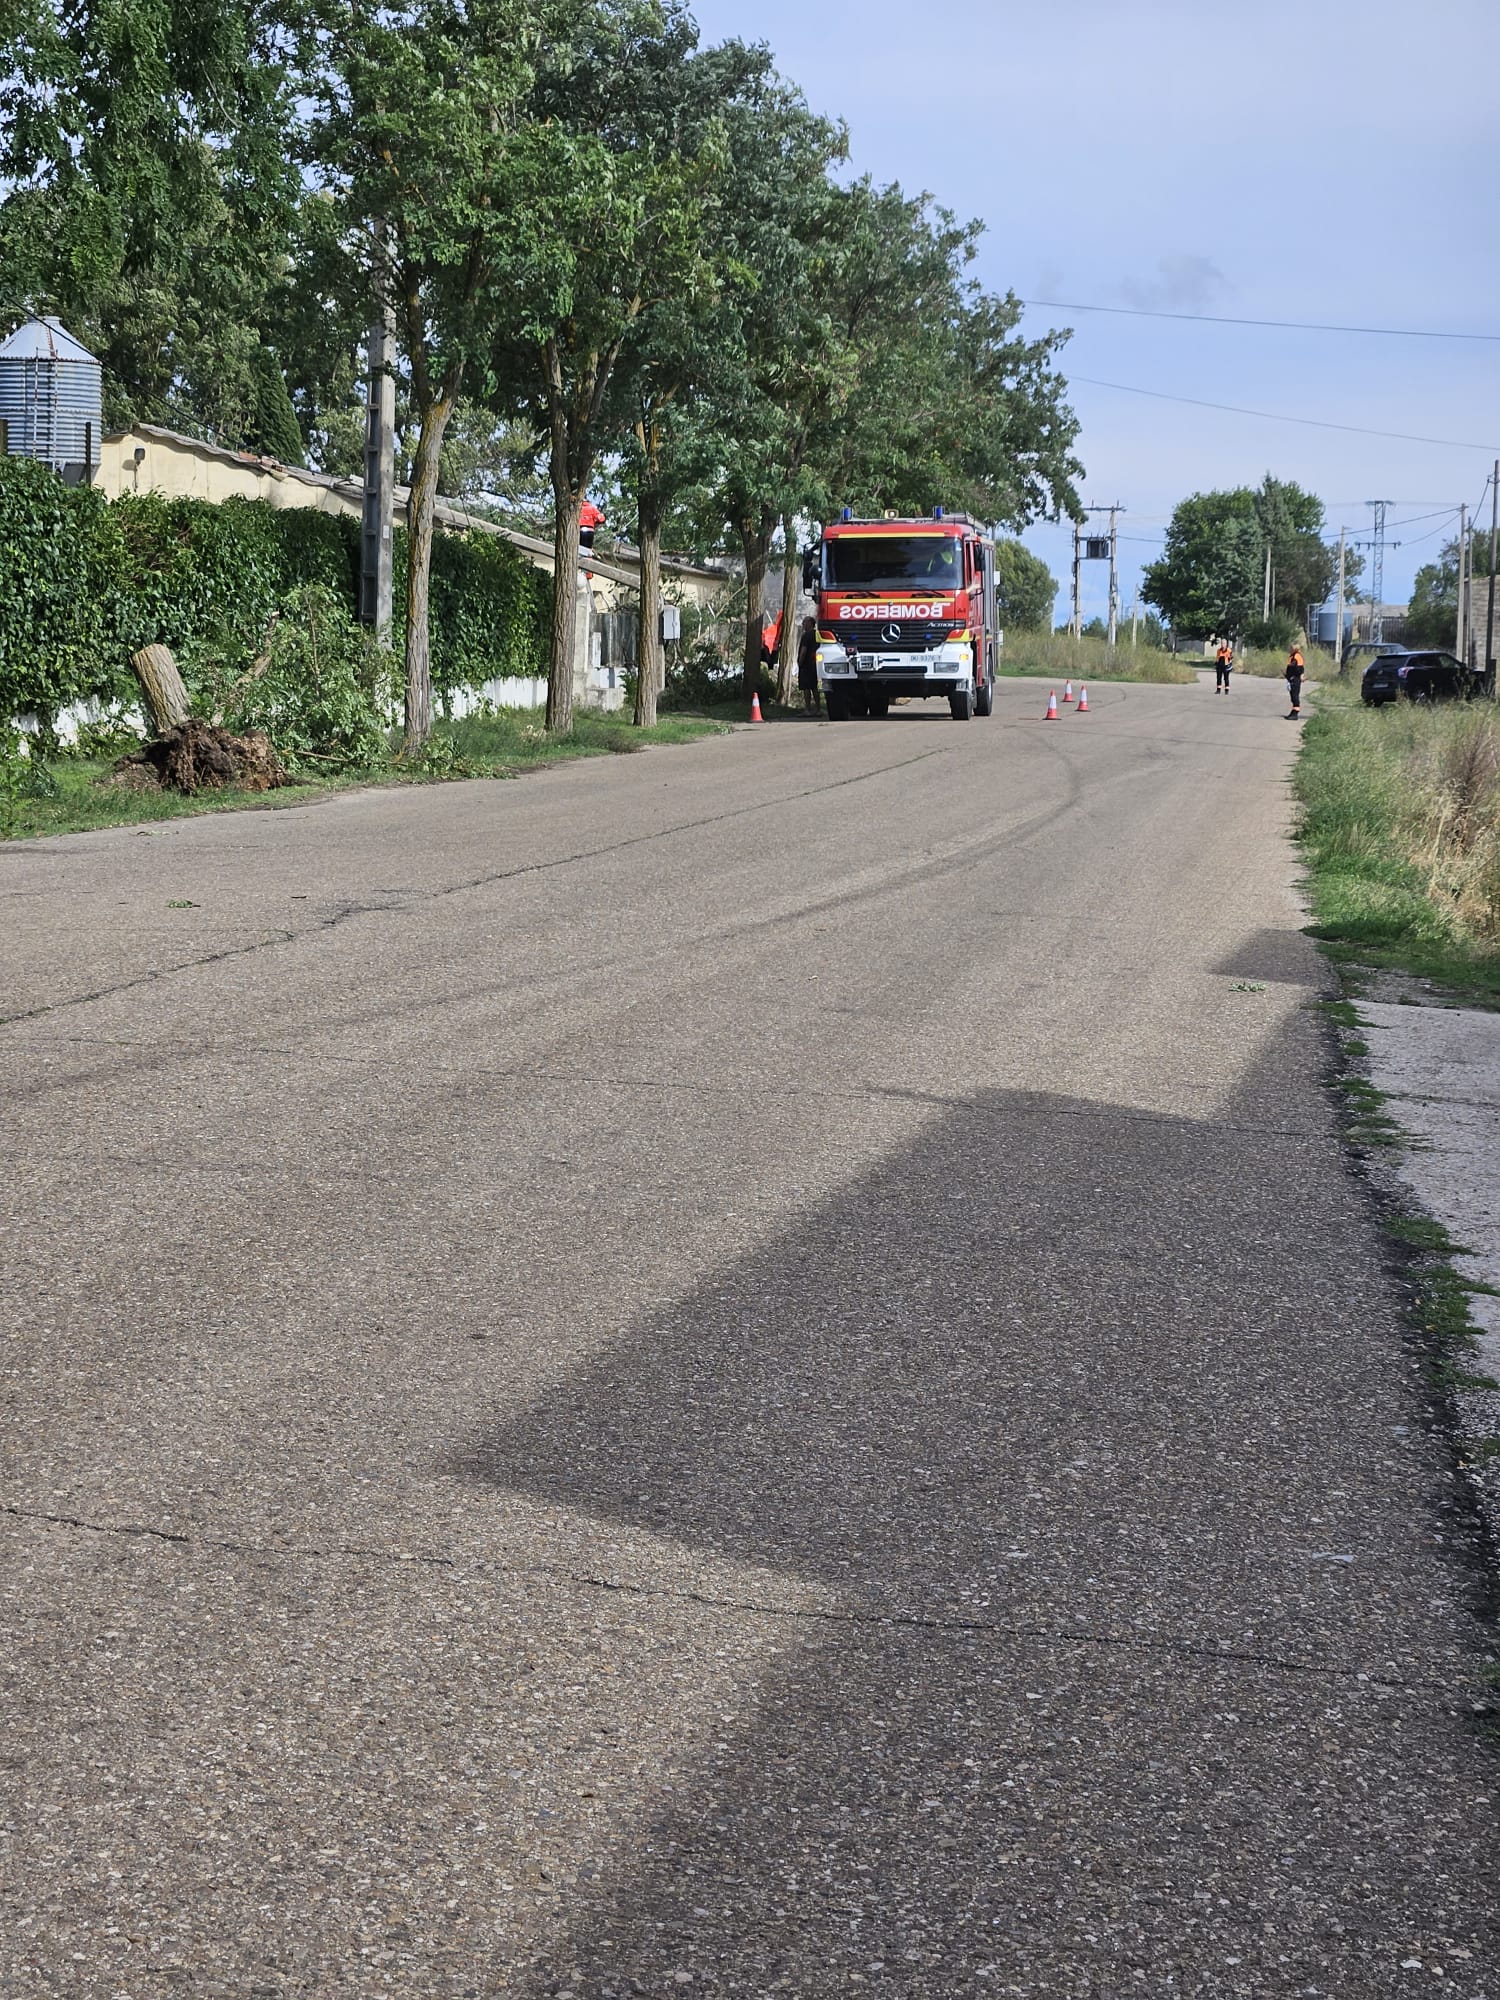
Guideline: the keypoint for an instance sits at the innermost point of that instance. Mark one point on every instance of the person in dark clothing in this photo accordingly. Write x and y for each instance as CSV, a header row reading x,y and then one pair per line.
x,y
1223,668
807,664
1294,670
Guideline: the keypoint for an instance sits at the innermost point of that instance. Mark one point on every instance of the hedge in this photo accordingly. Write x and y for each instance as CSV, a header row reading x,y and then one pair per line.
x,y
85,582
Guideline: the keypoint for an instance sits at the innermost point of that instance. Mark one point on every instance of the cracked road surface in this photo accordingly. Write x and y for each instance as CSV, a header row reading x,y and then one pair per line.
x,y
748,1370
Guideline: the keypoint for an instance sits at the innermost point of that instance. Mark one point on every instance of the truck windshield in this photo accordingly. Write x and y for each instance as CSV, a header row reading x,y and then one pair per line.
x,y
873,562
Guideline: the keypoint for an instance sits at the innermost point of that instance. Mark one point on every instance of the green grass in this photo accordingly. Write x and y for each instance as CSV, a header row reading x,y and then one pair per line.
x,y
1401,831
500,745
1046,655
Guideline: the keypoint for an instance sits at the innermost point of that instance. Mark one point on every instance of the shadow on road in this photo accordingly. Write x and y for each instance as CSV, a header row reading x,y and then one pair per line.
x,y
1060,1408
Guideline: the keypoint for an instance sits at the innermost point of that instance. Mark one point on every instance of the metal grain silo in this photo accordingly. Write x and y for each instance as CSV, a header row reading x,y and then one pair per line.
x,y
51,398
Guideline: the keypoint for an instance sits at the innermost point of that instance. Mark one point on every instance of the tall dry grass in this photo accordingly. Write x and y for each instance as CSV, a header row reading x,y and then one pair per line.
x,y
1089,659
1402,826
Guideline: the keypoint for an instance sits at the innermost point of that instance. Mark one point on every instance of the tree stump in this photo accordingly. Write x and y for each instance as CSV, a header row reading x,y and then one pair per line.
x,y
161,688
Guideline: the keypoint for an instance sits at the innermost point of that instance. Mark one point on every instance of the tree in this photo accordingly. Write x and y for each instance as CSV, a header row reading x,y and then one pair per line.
x,y
273,428
148,160
1208,580
1025,588
1303,566
425,132
1432,614
608,222
686,358
887,382
740,449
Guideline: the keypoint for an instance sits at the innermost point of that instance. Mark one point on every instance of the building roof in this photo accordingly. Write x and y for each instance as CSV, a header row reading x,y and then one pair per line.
x,y
44,340
450,513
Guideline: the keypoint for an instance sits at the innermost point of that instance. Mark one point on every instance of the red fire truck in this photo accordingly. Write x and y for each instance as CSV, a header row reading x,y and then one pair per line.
x,y
905,608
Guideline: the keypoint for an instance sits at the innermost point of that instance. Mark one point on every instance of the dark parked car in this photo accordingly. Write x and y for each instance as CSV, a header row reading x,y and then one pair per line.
x,y
1419,677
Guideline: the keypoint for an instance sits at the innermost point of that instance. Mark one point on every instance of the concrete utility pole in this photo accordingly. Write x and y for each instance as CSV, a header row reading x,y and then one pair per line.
x,y
1114,581
1077,586
1461,616
378,515
1265,606
1338,616
1489,615
1135,612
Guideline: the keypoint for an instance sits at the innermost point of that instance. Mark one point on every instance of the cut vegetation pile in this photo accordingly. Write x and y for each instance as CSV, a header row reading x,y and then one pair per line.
x,y
1401,825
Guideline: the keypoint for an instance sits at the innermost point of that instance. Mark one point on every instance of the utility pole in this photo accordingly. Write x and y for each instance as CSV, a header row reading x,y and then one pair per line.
x,y
1114,581
1077,585
1338,616
1265,606
1489,615
378,514
1461,613
1135,612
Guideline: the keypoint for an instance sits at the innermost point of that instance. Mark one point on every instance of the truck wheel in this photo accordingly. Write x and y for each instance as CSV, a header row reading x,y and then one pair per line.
x,y
984,699
836,700
961,704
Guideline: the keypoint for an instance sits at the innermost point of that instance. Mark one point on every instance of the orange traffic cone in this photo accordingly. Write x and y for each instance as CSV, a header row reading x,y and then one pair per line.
x,y
1083,701
1051,715
1068,692
755,714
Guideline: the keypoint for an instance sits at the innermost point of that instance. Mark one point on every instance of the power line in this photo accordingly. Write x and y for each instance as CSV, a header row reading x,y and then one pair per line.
x,y
1291,325
1272,417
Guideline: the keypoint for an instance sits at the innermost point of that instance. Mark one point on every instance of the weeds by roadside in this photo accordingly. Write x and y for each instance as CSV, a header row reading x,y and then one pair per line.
x,y
499,745
1401,830
1090,659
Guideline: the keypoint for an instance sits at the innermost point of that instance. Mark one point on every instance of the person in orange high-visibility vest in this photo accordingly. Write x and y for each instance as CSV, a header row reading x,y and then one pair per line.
x,y
1294,670
1223,667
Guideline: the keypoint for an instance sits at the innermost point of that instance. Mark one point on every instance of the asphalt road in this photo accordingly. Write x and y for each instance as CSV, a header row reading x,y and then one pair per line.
x,y
753,1369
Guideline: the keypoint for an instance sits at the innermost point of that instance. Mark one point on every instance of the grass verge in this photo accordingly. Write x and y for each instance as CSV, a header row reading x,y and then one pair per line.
x,y
1044,654
1401,833
500,745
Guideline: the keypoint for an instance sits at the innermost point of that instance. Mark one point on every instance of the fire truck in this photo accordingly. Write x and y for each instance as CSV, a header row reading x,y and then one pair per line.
x,y
905,608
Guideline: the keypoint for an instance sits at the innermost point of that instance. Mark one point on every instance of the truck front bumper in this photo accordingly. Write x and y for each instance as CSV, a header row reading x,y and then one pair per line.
x,y
940,672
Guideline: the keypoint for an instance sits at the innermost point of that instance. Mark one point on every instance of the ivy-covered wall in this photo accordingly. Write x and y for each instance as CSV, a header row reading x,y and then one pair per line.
x,y
84,583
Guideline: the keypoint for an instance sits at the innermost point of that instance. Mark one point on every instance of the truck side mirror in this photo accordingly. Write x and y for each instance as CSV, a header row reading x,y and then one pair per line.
x,y
810,567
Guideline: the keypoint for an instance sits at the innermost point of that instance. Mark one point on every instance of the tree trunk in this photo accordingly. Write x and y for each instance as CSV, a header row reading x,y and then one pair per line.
x,y
420,508
649,676
786,652
569,506
755,539
161,688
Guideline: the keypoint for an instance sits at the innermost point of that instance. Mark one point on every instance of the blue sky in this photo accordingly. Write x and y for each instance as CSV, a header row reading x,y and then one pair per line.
x,y
1280,161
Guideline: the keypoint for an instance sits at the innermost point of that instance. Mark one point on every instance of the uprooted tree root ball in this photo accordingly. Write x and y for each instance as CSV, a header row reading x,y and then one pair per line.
x,y
198,757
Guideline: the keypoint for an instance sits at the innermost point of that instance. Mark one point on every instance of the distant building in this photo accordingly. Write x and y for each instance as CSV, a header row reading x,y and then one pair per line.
x,y
1479,612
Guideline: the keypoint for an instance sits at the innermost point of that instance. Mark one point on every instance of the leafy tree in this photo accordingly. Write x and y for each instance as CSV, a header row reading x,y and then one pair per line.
x,y
1432,614
684,352
1303,565
425,131
150,183
273,424
1025,588
610,225
1208,580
